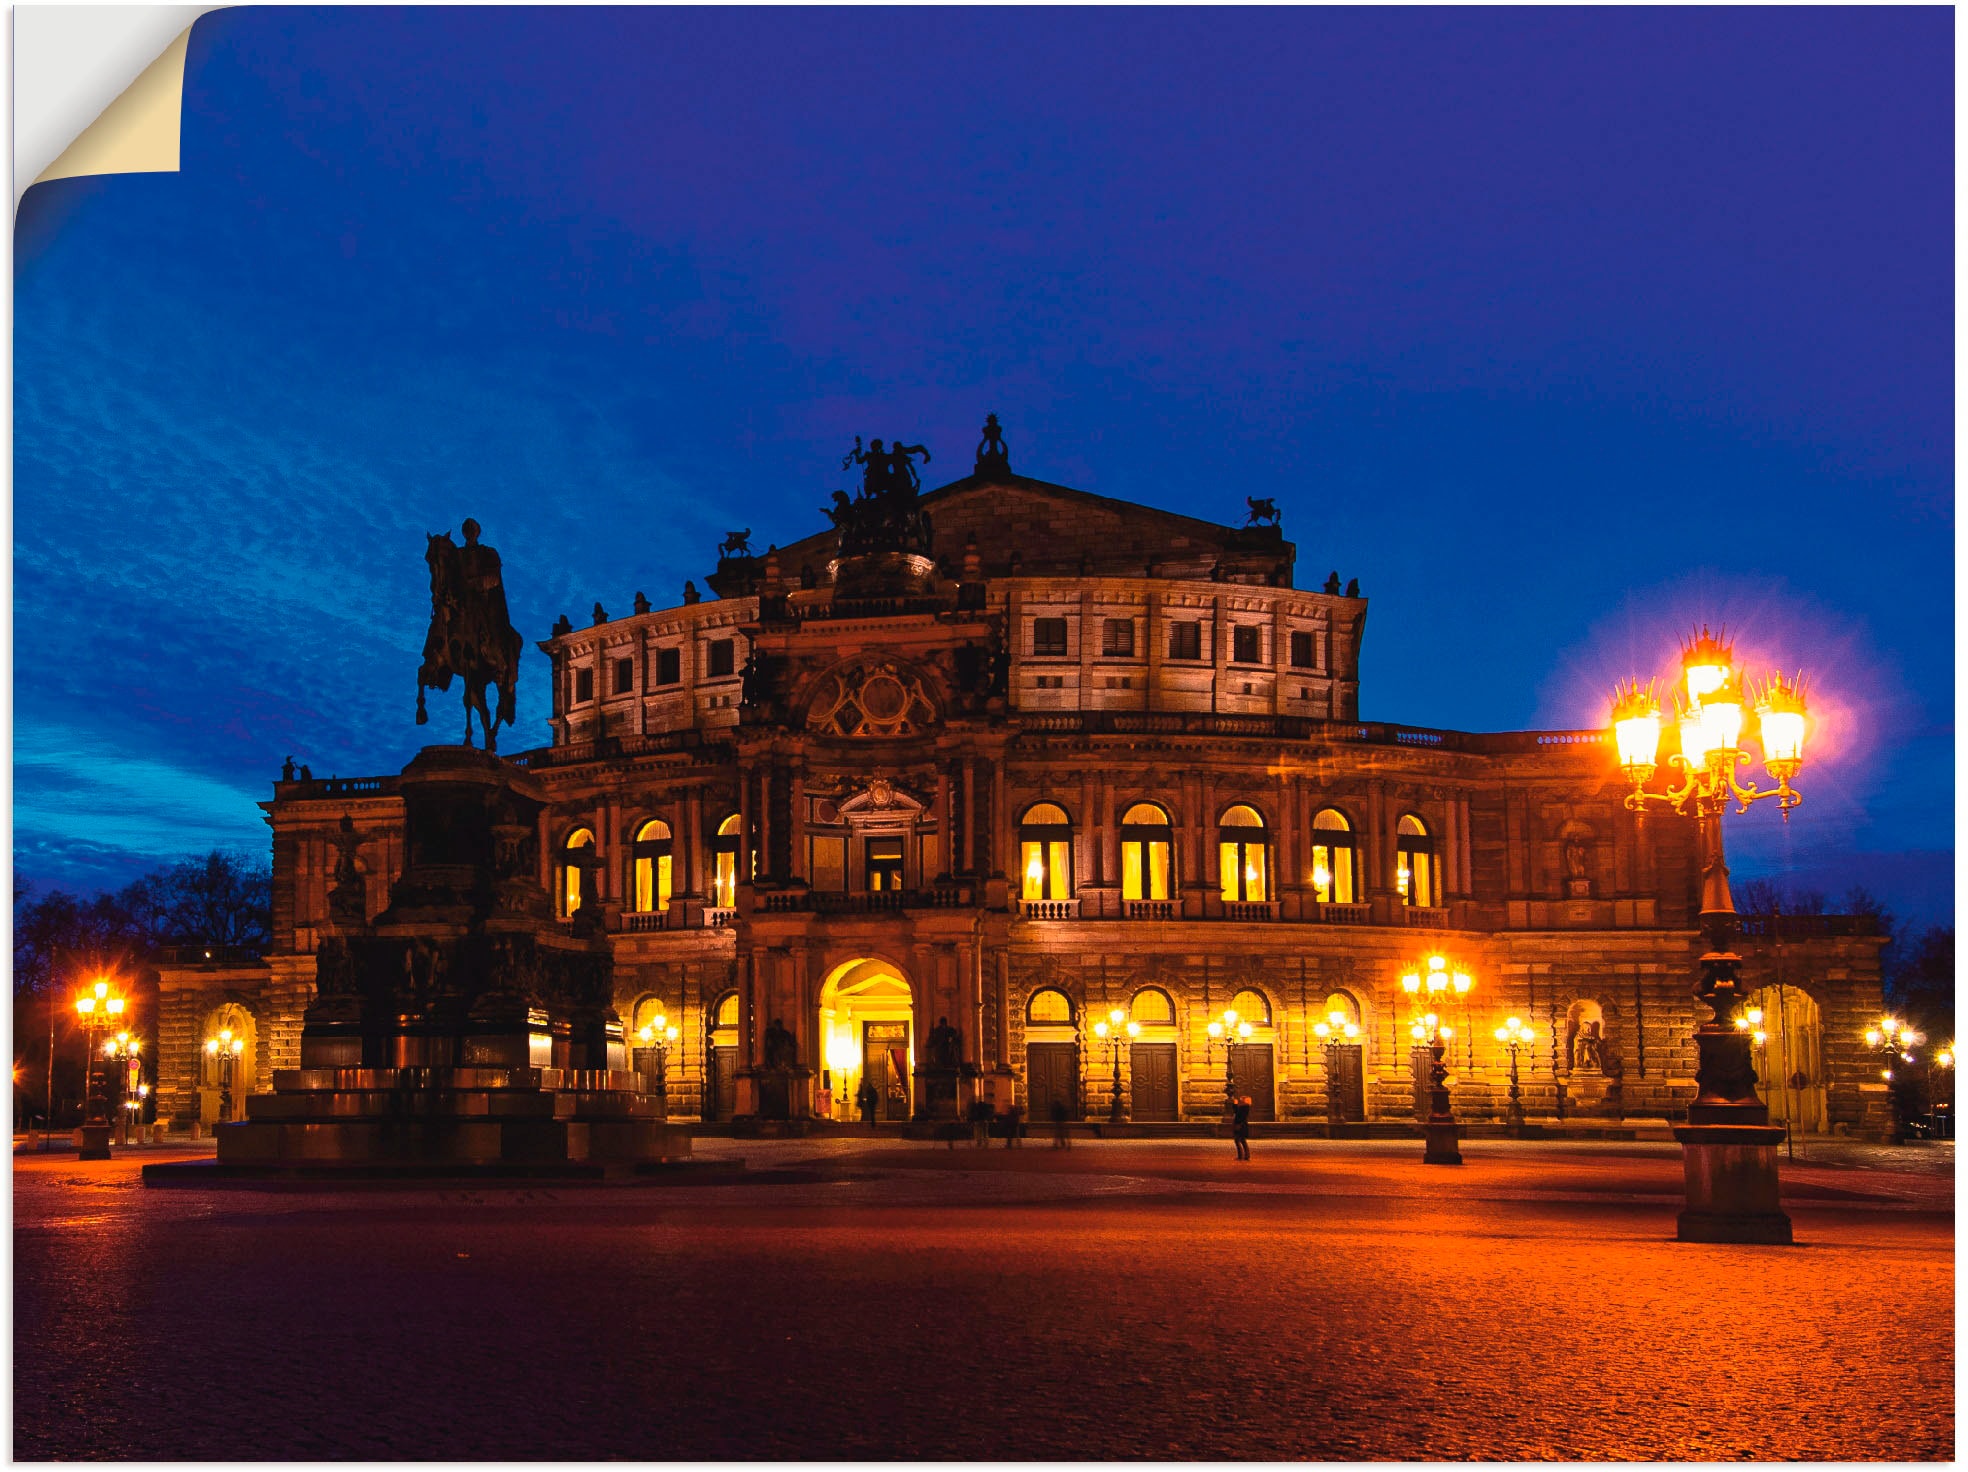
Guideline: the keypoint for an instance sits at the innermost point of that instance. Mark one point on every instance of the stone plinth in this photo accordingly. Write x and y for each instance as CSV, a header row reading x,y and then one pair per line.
x,y
1731,1172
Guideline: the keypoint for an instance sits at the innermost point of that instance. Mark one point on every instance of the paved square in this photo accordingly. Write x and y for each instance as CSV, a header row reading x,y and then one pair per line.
x,y
871,1299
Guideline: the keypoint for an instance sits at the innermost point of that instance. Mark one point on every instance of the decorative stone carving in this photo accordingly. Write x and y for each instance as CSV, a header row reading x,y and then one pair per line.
x,y
872,698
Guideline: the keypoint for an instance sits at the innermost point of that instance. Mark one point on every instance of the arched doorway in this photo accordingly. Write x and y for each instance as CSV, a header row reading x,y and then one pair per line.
x,y
1790,1075
1345,1055
1152,1079
868,1042
721,1058
1052,1054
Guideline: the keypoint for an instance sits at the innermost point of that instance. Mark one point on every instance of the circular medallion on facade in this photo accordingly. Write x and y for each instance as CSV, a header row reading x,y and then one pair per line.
x,y
883,698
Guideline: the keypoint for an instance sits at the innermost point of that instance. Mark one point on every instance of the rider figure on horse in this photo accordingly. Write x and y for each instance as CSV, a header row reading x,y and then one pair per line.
x,y
471,633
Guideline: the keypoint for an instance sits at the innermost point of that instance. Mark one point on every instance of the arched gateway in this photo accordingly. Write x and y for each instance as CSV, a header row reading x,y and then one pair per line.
x,y
867,1027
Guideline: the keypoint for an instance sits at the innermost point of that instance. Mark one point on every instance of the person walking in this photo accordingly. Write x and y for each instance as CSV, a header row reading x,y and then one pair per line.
x,y
1061,1140
1014,1136
867,1098
1240,1125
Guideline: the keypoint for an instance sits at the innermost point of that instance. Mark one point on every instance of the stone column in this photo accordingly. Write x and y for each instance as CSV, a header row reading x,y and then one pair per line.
x,y
945,839
969,816
796,779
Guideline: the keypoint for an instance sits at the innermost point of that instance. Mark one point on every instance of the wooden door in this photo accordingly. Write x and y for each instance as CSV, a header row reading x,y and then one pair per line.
x,y
1250,1074
1151,1069
885,1064
1052,1073
721,1095
1352,1081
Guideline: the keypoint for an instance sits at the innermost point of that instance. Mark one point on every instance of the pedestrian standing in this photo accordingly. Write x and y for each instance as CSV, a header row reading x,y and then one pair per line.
x,y
1240,1125
1061,1140
1013,1135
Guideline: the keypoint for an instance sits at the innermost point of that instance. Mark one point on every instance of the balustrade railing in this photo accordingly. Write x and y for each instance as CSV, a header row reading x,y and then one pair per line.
x,y
1250,910
1426,917
1149,909
1048,909
1337,914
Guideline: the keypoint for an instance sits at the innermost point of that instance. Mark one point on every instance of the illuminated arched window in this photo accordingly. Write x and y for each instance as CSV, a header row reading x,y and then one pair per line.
x,y
1417,867
1333,858
1049,1007
1340,1009
1147,853
577,866
1045,852
724,1021
1151,1007
1252,1006
650,861
724,865
1244,854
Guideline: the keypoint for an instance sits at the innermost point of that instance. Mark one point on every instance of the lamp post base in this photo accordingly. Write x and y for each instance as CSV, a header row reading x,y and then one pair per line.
x,y
1440,1147
95,1142
1731,1174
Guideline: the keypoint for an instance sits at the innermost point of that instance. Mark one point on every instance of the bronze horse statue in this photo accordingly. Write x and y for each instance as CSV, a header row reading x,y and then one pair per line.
x,y
470,634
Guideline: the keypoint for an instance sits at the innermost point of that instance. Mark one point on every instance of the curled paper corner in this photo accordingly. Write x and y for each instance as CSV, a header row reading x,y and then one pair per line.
x,y
68,59
138,132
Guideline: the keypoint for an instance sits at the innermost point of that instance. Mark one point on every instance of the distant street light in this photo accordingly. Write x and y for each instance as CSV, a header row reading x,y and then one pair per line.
x,y
1894,1042
97,1009
1335,1033
659,1034
125,1049
1515,1035
1222,1032
226,1048
1110,1030
1430,990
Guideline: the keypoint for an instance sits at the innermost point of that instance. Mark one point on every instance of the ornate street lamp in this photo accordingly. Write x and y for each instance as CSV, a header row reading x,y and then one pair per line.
x,y
1333,1034
659,1033
1942,1113
1729,1146
1894,1042
226,1047
1221,1032
1110,1030
97,1009
1430,991
1515,1035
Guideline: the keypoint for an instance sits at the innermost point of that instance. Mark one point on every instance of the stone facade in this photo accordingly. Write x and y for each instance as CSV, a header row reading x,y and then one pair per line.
x,y
1088,756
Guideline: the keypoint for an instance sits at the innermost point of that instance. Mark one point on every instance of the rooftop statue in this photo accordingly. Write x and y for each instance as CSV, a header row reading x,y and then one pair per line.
x,y
884,517
1263,510
471,635
992,456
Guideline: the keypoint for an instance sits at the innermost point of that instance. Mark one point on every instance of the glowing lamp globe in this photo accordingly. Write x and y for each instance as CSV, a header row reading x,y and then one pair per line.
x,y
1705,665
1780,715
1637,730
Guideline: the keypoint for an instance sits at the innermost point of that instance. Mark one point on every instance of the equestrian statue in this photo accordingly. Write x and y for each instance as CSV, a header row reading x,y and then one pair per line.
x,y
471,635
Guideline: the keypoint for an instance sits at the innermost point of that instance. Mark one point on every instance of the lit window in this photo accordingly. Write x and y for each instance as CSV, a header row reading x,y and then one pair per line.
x,y
884,865
1252,1007
1185,640
1147,853
651,859
1049,1007
724,657
1243,854
1045,853
1049,636
1332,858
1151,1007
1117,638
1417,867
576,888
1244,644
724,865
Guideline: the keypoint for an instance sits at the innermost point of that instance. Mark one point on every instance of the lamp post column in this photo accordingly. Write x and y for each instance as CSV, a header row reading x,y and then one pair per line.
x,y
1729,1146
1439,1132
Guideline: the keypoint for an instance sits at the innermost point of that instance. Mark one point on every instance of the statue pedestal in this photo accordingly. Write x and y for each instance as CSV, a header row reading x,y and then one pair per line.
x,y
936,1093
95,1142
463,1029
1731,1173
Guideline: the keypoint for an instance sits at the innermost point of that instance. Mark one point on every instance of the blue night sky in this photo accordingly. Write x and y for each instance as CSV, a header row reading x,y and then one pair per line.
x,y
1559,329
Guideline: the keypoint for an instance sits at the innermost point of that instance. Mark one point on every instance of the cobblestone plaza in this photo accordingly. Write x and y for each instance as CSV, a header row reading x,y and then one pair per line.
x,y
874,1298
